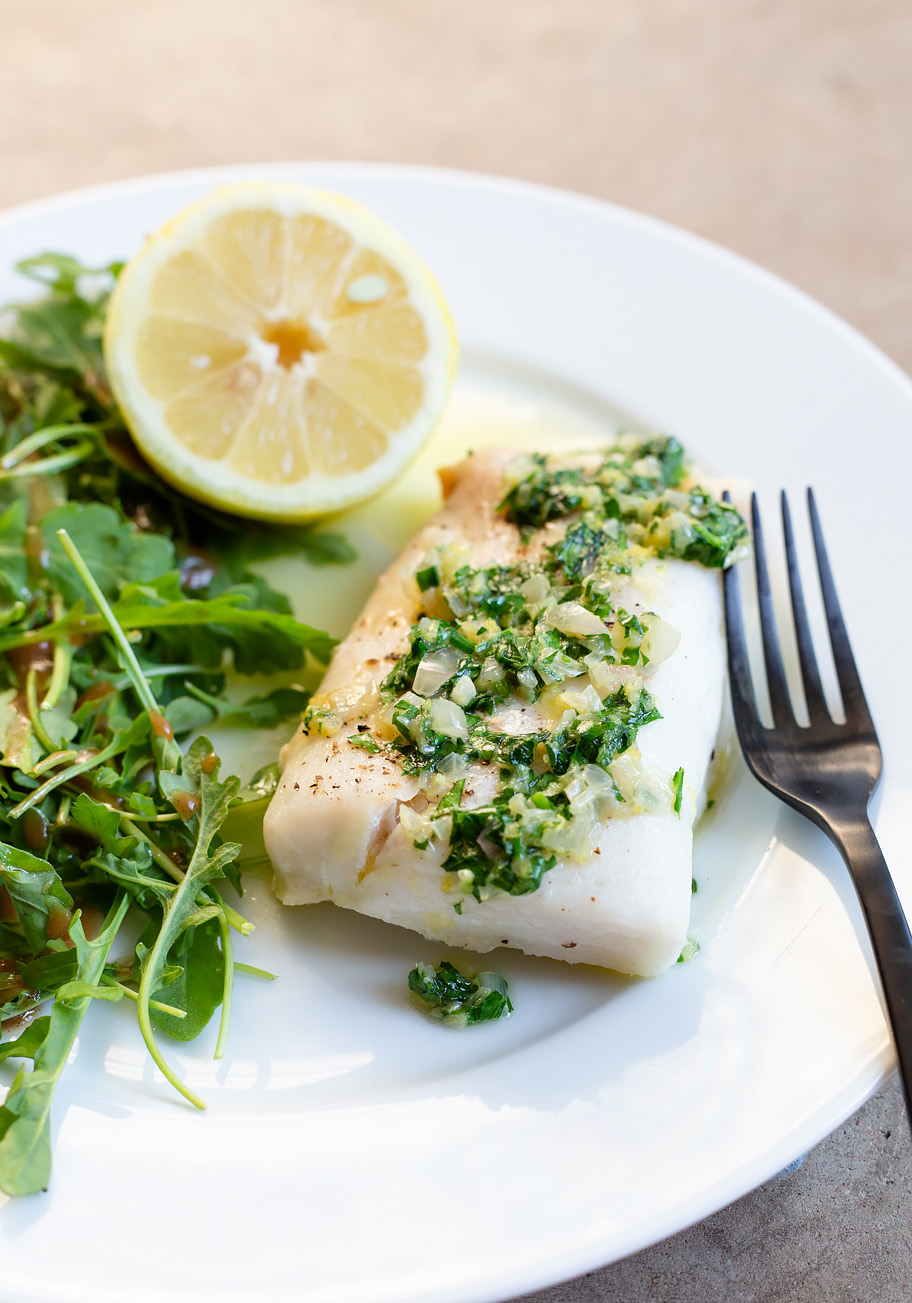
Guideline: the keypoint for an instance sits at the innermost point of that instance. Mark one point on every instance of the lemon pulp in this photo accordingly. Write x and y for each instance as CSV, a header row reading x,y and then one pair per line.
x,y
279,351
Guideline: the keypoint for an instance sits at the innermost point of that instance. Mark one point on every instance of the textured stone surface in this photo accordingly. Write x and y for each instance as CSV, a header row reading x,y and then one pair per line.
x,y
781,128
838,1229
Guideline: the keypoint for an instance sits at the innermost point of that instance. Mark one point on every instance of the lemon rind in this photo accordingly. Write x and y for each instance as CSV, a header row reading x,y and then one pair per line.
x,y
213,482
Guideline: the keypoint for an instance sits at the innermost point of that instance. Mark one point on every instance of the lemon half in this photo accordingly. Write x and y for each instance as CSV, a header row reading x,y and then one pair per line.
x,y
279,351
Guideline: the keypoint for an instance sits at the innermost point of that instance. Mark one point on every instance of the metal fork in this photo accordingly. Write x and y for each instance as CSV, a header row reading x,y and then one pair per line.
x,y
826,770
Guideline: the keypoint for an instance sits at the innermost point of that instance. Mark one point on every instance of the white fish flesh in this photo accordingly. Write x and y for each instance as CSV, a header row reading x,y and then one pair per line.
x,y
353,818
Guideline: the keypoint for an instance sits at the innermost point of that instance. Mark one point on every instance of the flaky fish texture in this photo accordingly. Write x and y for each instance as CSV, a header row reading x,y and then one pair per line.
x,y
335,830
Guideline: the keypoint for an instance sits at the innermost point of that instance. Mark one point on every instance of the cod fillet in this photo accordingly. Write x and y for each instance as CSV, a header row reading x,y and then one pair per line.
x,y
583,849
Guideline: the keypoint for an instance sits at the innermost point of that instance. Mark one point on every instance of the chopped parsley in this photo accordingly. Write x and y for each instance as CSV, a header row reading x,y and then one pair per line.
x,y
446,996
637,485
690,951
365,742
550,631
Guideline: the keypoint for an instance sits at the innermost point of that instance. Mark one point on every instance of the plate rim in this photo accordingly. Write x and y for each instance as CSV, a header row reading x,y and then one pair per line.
x,y
853,1094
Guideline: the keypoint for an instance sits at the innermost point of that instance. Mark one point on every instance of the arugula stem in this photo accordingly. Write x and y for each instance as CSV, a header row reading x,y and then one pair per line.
x,y
55,758
63,656
164,861
131,664
41,438
161,672
25,1146
165,749
237,921
34,711
62,461
145,818
107,980
161,859
254,972
145,1027
88,625
72,771
228,990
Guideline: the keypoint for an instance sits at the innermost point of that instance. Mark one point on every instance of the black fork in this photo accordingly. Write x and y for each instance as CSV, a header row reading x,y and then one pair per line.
x,y
826,770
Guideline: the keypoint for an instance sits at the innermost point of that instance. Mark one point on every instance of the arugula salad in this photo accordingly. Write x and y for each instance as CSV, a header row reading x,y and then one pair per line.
x,y
129,616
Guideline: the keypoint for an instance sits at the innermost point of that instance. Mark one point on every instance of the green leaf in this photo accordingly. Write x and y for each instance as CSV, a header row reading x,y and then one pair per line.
x,y
256,712
14,579
262,641
12,943
70,992
25,1144
263,783
62,272
136,872
59,724
365,742
55,332
187,715
198,989
17,740
181,791
447,996
238,549
116,553
36,892
95,819
27,1043
48,972
244,821
142,805
207,864
324,548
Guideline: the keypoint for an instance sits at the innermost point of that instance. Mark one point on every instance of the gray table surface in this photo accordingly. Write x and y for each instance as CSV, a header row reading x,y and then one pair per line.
x,y
780,128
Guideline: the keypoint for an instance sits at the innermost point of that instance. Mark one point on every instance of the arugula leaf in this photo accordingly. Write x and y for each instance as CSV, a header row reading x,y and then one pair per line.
x,y
63,330
49,971
239,549
136,872
263,783
185,714
263,641
206,865
200,986
97,820
16,736
72,992
116,553
256,712
38,896
25,1143
124,609
27,1043
14,579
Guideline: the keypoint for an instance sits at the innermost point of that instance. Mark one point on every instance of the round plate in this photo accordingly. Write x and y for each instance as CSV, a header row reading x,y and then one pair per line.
x,y
354,1153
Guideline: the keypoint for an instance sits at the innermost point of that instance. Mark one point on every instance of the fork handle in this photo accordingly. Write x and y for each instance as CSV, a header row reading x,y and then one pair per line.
x,y
891,939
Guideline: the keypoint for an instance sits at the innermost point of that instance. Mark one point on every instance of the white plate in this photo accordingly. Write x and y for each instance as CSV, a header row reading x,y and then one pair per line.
x,y
353,1153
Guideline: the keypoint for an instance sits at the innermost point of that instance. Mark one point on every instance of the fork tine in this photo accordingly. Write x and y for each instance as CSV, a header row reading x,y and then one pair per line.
x,y
810,675
853,698
780,702
742,688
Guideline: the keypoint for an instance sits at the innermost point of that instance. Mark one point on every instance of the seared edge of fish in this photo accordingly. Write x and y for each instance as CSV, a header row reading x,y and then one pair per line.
x,y
362,825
